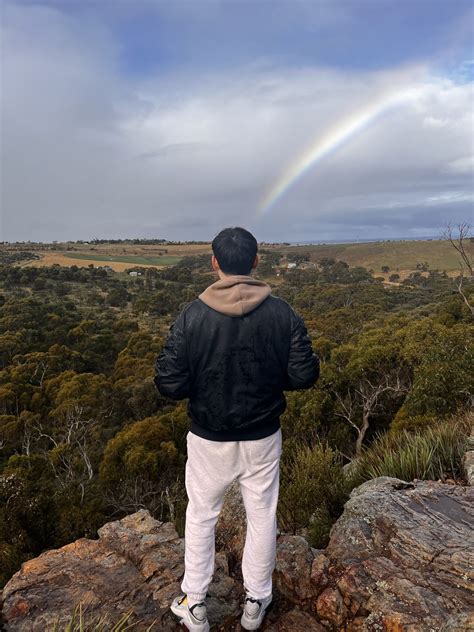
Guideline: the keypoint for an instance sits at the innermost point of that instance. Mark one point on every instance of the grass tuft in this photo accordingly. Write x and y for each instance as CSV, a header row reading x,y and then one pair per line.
x,y
78,623
433,453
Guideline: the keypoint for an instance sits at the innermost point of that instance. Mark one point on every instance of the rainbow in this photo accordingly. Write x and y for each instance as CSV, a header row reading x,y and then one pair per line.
x,y
342,133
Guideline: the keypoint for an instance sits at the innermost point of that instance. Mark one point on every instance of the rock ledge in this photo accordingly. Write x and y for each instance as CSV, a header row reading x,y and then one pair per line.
x,y
399,559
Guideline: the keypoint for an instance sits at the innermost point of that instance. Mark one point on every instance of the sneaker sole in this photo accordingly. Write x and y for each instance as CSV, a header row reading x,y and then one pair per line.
x,y
249,624
192,627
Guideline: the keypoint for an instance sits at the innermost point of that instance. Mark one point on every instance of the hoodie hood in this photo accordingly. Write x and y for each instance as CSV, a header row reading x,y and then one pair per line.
x,y
235,295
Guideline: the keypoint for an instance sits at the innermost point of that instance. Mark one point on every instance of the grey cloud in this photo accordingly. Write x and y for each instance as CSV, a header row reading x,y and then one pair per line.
x,y
174,148
73,128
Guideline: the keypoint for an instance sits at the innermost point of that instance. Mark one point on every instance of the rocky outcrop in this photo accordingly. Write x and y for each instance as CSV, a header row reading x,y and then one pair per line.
x,y
399,559
409,558
296,620
136,564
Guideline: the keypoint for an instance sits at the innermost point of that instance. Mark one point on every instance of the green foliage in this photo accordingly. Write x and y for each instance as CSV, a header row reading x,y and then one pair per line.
x,y
143,466
453,311
27,513
370,380
313,490
118,296
319,527
143,448
85,436
433,453
304,416
404,421
443,367
268,263
134,391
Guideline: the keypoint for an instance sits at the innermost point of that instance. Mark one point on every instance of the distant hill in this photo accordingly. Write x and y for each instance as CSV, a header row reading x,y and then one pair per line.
x,y
401,257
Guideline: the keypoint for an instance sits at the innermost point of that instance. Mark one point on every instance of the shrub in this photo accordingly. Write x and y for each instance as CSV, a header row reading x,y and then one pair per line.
x,y
313,491
143,466
403,420
319,527
431,453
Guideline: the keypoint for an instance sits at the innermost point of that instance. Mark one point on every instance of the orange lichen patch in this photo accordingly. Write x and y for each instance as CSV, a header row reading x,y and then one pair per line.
x,y
34,565
396,622
18,610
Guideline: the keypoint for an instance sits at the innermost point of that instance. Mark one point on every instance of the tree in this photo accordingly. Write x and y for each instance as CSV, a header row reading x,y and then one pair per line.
x,y
442,362
71,433
143,462
460,242
370,378
135,393
118,296
423,266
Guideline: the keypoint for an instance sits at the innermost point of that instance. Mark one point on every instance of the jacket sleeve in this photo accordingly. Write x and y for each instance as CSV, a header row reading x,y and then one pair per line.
x,y
303,363
172,375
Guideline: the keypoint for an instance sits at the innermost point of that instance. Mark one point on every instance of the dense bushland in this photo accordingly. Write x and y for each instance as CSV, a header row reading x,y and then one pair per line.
x,y
85,437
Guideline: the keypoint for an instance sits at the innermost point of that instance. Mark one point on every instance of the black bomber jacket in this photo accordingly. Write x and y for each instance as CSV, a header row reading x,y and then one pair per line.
x,y
232,352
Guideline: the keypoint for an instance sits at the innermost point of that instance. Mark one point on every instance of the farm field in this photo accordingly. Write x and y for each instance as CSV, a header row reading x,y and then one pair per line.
x,y
118,256
402,257
134,259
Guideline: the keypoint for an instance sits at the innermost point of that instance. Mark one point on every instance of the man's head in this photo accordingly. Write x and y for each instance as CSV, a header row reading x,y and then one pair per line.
x,y
235,251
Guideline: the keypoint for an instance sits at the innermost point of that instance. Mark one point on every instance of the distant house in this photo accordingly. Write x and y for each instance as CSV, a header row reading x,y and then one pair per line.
x,y
291,265
134,273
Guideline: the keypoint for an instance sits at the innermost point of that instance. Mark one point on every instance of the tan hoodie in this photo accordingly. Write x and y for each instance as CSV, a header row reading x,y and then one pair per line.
x,y
236,294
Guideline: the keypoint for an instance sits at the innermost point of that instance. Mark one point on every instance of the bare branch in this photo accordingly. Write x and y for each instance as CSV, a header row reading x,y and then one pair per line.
x,y
463,295
459,244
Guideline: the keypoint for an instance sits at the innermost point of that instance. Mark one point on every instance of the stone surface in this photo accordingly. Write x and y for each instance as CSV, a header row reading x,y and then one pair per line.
x,y
296,620
319,572
401,554
293,569
136,564
399,559
330,607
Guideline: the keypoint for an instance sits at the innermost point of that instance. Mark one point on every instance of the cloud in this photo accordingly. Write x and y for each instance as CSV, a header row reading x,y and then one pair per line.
x,y
463,165
90,151
173,148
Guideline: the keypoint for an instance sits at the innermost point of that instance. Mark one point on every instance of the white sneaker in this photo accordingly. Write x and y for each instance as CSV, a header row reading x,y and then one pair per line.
x,y
254,612
194,618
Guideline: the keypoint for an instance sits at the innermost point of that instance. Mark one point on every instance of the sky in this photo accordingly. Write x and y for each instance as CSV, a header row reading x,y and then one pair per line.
x,y
301,120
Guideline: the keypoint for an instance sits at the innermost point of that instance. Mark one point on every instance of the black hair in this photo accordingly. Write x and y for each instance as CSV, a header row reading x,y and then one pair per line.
x,y
235,250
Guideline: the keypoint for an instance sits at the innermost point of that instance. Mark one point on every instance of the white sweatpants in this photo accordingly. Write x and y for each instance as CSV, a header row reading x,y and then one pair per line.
x,y
210,468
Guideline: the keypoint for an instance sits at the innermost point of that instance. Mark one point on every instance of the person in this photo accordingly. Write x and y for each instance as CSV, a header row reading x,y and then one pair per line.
x,y
233,351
